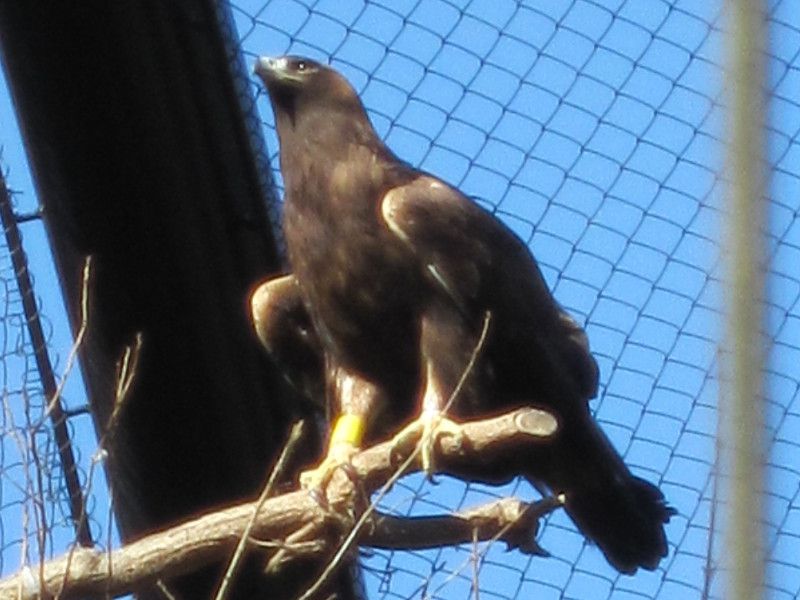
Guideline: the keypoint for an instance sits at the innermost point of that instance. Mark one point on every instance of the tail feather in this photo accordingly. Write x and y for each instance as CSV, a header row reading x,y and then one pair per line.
x,y
621,513
625,518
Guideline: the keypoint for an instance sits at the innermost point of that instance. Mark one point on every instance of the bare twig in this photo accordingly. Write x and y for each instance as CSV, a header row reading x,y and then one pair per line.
x,y
476,352
162,587
76,345
709,567
475,560
126,372
37,499
298,543
26,491
294,437
185,548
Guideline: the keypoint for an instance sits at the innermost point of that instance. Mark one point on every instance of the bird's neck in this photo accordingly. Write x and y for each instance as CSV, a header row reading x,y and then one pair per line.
x,y
329,138
332,129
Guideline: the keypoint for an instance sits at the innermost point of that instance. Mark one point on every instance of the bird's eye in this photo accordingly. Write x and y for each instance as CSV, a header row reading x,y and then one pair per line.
x,y
301,65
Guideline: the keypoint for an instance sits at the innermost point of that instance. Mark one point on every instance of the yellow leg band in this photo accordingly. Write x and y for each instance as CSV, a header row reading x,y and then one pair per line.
x,y
348,429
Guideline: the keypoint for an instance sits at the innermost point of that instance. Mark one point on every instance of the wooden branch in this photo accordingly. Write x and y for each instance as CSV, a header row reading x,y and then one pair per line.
x,y
507,520
213,537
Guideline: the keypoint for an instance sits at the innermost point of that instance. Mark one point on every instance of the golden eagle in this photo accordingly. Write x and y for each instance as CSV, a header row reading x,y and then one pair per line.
x,y
399,272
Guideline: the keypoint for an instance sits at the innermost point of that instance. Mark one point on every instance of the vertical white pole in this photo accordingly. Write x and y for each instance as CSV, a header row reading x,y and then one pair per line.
x,y
741,400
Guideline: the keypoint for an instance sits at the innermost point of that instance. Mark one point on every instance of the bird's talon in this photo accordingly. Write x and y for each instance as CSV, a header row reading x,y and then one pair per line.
x,y
425,431
350,471
316,480
318,495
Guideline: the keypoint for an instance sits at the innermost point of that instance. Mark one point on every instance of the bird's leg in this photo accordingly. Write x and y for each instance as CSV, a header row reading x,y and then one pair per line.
x,y
345,440
357,401
448,360
431,424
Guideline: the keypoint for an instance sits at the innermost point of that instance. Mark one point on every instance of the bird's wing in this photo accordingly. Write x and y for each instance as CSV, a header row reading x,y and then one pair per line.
x,y
477,261
447,233
284,328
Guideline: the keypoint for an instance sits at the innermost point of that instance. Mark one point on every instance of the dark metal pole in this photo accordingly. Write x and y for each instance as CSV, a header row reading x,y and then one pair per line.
x,y
55,409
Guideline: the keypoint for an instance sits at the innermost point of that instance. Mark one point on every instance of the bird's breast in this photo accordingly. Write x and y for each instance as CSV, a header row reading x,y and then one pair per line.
x,y
358,281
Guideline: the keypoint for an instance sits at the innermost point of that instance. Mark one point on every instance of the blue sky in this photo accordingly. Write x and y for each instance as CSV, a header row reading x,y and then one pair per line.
x,y
594,130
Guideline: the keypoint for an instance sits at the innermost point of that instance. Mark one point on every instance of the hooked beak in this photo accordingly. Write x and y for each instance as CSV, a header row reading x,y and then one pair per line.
x,y
274,69
266,65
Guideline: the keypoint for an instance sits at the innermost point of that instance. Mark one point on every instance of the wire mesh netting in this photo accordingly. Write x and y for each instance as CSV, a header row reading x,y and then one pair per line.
x,y
35,448
31,484
595,130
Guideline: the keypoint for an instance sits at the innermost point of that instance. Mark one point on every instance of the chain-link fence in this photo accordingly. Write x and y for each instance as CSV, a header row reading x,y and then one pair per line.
x,y
595,130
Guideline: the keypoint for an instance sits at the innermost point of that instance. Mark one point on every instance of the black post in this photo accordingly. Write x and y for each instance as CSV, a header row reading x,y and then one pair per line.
x,y
137,137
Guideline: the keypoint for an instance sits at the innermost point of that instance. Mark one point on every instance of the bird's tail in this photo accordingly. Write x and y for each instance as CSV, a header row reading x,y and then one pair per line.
x,y
621,513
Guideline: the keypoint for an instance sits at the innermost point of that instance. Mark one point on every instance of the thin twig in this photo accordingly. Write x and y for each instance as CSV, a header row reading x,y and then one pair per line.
x,y
162,587
476,351
290,546
27,490
708,567
476,564
295,548
86,491
40,511
109,520
76,345
294,436
126,372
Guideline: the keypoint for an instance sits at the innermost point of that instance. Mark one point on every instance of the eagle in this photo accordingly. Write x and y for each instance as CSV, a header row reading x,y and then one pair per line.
x,y
420,306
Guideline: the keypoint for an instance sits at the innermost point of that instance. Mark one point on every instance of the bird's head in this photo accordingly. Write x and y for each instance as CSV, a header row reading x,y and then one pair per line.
x,y
297,84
